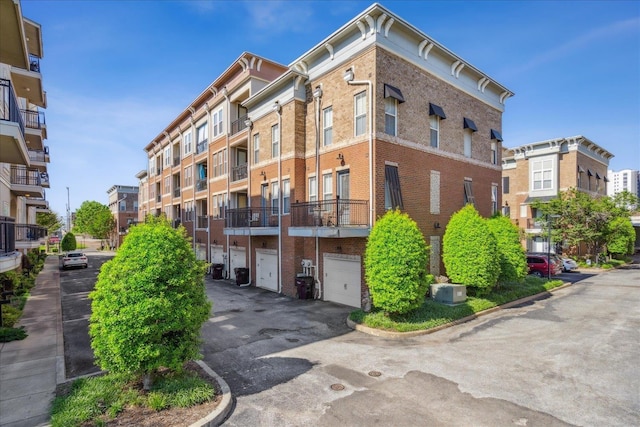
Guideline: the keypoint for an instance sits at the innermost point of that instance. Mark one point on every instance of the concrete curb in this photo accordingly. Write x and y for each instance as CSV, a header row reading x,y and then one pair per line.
x,y
401,335
218,415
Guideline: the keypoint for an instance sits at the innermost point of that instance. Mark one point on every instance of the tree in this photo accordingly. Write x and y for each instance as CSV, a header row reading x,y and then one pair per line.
x,y
149,302
49,220
68,242
469,251
94,219
395,264
621,237
511,254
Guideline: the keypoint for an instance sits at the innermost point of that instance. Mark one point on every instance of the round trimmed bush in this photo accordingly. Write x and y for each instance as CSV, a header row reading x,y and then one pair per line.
x,y
469,251
149,302
395,264
511,254
68,242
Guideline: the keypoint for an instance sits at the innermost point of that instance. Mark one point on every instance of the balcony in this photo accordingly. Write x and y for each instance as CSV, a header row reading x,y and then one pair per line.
x,y
201,185
176,192
28,182
330,218
7,235
159,198
28,82
35,128
41,204
39,159
29,233
260,221
239,172
238,125
202,222
201,147
12,133
536,223
176,161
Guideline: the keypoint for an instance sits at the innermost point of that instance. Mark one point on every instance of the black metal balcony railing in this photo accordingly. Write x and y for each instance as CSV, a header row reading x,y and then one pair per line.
x,y
238,125
330,213
7,235
239,172
202,222
26,176
33,119
176,161
9,107
201,147
158,198
176,192
251,217
201,184
29,232
34,63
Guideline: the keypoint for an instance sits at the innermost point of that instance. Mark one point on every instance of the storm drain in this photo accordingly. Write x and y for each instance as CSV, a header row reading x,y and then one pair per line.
x,y
375,373
337,387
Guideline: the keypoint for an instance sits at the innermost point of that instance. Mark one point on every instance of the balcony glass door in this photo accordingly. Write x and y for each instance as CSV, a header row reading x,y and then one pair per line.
x,y
343,194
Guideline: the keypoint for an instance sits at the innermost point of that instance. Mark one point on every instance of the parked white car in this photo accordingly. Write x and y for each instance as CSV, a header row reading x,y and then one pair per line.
x,y
74,259
568,264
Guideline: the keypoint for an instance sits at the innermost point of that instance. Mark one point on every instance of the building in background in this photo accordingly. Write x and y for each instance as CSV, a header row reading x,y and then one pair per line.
x,y
540,170
23,155
279,171
123,204
624,180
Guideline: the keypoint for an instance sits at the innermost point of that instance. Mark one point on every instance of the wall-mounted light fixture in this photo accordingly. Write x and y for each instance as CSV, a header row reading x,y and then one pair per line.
x,y
339,248
348,75
317,92
215,242
276,107
436,224
248,123
235,243
263,174
341,158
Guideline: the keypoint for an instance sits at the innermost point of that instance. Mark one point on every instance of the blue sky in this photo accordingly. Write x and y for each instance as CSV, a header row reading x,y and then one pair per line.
x,y
117,71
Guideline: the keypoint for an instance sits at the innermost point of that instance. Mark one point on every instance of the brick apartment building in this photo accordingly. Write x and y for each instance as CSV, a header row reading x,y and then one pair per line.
x,y
283,170
123,204
540,170
23,155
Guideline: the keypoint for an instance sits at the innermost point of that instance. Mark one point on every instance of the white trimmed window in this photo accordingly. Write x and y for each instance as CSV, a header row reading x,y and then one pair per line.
x,y
467,142
275,140
434,130
202,135
152,166
275,198
360,113
327,186
494,153
391,116
186,143
188,176
218,122
256,148
167,157
542,174
327,126
313,196
286,196
167,185
494,198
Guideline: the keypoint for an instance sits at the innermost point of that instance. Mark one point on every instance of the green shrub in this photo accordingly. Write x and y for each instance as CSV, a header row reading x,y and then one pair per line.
x,y
10,315
395,264
12,334
149,302
511,254
622,236
68,242
469,251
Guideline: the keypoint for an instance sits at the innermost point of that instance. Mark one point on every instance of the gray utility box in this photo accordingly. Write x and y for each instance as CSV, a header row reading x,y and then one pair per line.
x,y
449,293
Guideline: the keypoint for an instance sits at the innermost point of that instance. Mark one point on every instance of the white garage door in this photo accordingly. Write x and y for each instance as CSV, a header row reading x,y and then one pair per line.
x,y
238,259
267,269
342,279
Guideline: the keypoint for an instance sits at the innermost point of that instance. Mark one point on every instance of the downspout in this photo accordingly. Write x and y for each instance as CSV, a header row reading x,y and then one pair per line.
x,y
208,248
225,93
278,109
249,124
317,95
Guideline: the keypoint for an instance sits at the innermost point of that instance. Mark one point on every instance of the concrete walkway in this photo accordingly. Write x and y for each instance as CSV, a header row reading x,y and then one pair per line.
x,y
31,368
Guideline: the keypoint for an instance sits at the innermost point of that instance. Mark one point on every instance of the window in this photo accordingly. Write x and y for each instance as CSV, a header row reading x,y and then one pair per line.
x,y
186,143
286,196
494,153
188,211
434,126
327,126
390,116
218,127
167,157
217,206
468,193
167,185
542,173
327,186
123,205
523,211
135,206
152,166
313,196
275,198
256,148
494,198
201,138
467,142
275,140
434,195
505,185
220,163
188,176
360,113
392,192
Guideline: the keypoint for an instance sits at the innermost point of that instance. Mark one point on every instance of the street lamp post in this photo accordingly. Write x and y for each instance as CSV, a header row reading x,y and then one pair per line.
x,y
549,219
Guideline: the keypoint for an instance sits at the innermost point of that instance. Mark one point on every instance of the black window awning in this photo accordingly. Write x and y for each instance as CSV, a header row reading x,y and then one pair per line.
x,y
598,176
580,169
469,124
496,135
589,172
606,179
436,110
393,92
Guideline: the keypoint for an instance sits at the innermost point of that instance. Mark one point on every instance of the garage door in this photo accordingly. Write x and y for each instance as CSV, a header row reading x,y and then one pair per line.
x,y
267,269
237,259
342,279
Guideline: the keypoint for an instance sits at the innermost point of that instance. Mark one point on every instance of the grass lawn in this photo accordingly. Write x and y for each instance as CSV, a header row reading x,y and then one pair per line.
x,y
432,314
100,399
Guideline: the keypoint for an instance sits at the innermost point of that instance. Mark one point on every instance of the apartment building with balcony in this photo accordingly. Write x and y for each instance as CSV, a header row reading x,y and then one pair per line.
x,y
23,155
123,204
376,116
540,170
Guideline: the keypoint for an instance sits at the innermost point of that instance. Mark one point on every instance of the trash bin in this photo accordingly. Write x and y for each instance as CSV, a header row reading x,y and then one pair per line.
x,y
242,275
216,271
304,284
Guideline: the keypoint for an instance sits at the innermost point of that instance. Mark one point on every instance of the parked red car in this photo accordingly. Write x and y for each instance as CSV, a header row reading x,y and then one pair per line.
x,y
538,265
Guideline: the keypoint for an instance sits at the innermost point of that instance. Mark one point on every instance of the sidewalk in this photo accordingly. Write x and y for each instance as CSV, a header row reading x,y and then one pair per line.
x,y
31,368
